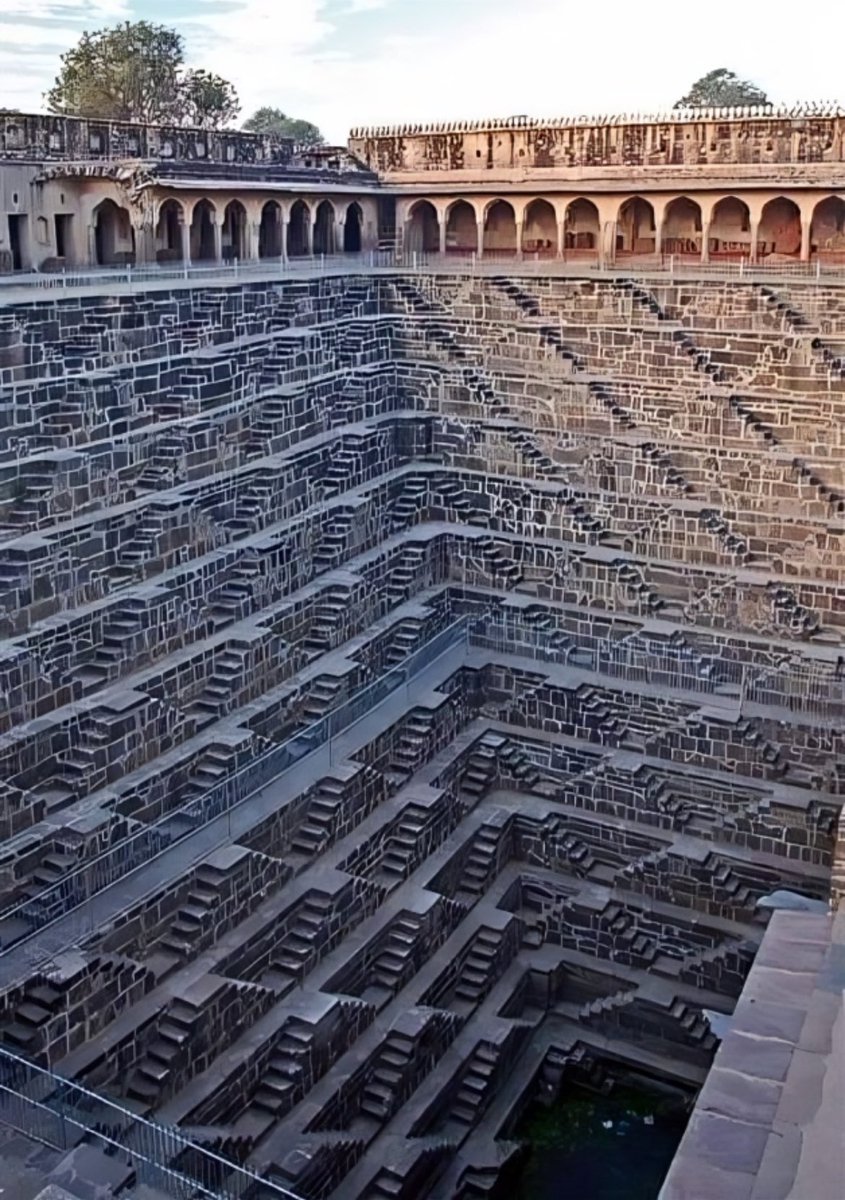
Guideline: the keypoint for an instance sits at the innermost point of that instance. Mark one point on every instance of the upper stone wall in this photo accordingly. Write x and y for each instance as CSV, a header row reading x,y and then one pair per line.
x,y
696,138
40,138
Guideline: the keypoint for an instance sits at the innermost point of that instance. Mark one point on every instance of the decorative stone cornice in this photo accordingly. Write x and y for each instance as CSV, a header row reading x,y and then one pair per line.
x,y
812,110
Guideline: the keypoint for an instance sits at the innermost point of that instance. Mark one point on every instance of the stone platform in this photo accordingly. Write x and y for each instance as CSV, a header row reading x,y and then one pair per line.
x,y
768,1123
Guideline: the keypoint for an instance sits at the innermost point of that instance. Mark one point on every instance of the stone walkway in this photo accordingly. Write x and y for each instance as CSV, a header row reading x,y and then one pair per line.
x,y
769,1123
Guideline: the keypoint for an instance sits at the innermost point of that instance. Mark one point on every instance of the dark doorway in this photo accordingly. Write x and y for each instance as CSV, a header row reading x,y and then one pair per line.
x,y
114,237
270,231
324,229
234,231
64,234
423,228
18,241
352,230
299,230
169,232
203,239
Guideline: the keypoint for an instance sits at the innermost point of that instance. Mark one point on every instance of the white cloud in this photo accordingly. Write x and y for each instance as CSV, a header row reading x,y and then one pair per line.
x,y
469,59
14,33
33,36
360,6
65,9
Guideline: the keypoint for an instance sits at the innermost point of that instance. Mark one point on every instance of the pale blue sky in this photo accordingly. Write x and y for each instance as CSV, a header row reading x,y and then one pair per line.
x,y
354,62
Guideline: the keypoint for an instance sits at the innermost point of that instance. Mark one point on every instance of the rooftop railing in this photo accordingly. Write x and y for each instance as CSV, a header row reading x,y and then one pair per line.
x,y
21,286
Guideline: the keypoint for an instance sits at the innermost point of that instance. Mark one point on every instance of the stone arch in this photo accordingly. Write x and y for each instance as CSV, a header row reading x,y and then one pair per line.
x,y
352,229
234,231
682,224
539,229
730,229
779,231
635,227
324,223
827,231
500,228
270,231
299,230
171,219
581,227
461,228
114,237
422,232
203,238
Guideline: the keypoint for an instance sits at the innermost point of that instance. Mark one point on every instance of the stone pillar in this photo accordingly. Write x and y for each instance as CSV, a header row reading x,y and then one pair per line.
x,y
519,227
441,229
658,236
217,228
144,244
480,241
805,239
253,235
705,243
283,234
607,243
185,239
339,230
752,245
561,237
91,257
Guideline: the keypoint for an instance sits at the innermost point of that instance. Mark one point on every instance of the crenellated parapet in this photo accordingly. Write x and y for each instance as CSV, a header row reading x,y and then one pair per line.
x,y
699,138
672,116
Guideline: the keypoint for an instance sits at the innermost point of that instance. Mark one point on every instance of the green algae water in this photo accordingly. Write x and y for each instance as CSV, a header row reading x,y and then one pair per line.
x,y
591,1147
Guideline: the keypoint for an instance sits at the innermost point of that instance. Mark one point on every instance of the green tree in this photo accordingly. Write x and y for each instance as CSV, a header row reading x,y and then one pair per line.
x,y
135,71
722,89
273,120
209,100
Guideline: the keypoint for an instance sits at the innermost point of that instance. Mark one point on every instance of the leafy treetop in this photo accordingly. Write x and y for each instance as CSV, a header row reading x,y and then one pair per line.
x,y
722,89
136,71
273,120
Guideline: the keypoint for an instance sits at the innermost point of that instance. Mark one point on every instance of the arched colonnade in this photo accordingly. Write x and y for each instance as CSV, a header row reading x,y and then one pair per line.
x,y
707,228
218,230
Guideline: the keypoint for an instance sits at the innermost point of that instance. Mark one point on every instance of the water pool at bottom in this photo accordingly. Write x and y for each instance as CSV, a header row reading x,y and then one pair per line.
x,y
587,1146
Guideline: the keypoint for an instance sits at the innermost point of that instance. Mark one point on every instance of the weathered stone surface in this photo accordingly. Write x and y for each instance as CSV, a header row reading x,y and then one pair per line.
x,y
339,922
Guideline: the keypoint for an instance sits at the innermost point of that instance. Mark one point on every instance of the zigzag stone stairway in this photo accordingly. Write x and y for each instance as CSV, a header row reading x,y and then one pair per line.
x,y
227,511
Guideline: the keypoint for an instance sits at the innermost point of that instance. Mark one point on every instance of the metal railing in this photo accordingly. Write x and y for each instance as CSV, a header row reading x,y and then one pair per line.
x,y
803,689
60,1113
73,892
664,266
679,669
259,270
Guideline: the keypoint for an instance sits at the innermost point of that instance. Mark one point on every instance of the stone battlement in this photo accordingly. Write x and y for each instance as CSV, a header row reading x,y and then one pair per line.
x,y
674,116
800,134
